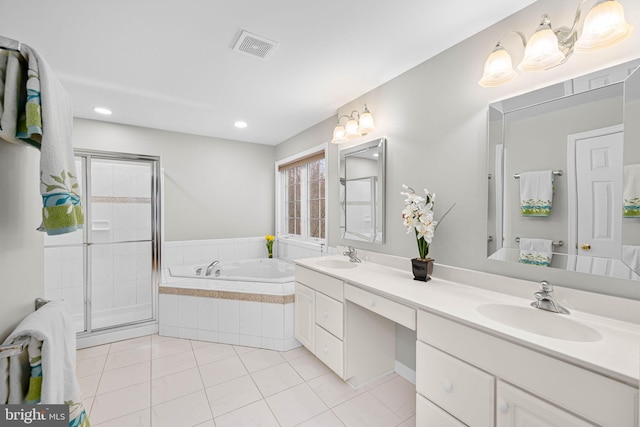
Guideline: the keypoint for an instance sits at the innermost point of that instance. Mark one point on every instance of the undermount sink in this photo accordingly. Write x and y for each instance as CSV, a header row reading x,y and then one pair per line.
x,y
539,322
336,263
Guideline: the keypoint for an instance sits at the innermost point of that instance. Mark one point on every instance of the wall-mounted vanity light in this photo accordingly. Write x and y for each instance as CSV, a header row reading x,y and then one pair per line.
x,y
357,124
604,26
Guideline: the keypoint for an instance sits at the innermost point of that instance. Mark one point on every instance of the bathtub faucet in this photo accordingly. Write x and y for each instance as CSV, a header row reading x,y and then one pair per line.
x,y
210,267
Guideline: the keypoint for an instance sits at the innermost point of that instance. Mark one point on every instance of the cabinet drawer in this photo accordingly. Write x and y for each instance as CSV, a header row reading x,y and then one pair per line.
x,y
329,350
406,316
320,282
460,389
329,314
428,414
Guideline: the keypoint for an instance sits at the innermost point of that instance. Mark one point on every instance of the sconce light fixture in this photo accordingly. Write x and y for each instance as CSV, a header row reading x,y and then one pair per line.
x,y
604,26
357,124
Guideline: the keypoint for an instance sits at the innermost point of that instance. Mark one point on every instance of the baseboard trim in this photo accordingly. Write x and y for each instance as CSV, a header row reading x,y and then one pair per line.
x,y
405,372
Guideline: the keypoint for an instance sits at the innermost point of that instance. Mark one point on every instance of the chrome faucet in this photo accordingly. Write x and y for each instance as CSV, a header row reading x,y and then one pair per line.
x,y
352,254
210,267
544,300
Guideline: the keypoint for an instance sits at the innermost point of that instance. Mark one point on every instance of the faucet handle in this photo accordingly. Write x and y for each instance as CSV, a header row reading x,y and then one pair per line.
x,y
546,287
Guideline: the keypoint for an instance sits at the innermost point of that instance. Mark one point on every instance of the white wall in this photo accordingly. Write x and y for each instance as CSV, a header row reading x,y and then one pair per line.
x,y
435,119
213,188
21,254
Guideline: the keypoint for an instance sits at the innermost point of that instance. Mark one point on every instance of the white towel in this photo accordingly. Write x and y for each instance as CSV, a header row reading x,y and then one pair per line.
x,y
53,336
536,193
62,209
4,380
536,251
631,191
631,257
11,96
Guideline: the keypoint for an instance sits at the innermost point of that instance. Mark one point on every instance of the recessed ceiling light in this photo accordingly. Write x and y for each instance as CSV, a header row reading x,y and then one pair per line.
x,y
103,111
240,125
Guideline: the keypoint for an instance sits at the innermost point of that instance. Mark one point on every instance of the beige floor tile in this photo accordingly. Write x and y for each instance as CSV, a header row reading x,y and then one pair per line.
x,y
87,353
175,385
295,405
124,377
172,364
365,410
130,344
222,371
309,366
399,395
188,410
89,385
257,414
233,394
332,390
90,366
213,353
294,353
276,378
170,347
326,419
120,403
137,419
261,359
129,357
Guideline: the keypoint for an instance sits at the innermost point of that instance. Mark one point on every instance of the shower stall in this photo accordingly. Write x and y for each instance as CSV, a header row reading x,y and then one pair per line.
x,y
108,272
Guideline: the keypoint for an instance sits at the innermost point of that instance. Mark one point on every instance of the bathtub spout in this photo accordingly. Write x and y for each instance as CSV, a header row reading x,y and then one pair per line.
x,y
210,267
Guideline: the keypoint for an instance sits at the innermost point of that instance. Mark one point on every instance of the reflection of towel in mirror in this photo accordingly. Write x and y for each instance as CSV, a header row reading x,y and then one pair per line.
x,y
536,193
631,191
536,251
631,257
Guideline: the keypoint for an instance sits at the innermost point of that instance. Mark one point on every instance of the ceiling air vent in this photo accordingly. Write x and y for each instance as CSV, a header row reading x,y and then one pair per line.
x,y
255,45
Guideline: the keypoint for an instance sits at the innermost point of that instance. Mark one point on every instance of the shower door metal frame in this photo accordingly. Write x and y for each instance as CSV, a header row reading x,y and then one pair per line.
x,y
156,236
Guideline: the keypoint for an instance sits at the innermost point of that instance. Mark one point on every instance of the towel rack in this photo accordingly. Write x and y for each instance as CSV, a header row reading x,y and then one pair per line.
x,y
9,44
19,343
554,243
555,173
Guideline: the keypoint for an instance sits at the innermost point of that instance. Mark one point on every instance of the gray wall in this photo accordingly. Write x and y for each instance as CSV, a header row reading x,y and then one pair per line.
x,y
434,117
213,188
21,252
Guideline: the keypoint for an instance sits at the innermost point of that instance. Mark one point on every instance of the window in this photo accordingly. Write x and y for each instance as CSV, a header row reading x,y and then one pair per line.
x,y
302,200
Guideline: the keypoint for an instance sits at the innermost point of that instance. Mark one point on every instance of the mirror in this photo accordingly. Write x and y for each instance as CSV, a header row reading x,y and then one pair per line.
x,y
574,147
362,182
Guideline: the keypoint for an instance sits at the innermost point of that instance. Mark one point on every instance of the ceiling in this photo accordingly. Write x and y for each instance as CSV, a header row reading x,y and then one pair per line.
x,y
170,65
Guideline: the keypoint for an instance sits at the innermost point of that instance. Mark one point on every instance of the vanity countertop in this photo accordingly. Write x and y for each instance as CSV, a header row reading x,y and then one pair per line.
x,y
616,354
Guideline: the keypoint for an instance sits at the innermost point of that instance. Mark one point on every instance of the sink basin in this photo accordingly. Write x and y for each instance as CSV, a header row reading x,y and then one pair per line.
x,y
336,263
539,322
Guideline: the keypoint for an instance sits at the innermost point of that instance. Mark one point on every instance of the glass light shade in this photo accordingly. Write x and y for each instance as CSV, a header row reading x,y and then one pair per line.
x,y
542,51
365,124
339,135
498,69
351,129
604,26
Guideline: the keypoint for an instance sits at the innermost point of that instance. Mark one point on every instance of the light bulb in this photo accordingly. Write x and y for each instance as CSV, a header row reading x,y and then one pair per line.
x,y
604,26
351,128
498,69
338,135
542,50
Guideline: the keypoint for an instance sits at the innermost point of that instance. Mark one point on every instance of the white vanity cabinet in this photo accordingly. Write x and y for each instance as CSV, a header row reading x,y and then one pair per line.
x,y
319,316
472,375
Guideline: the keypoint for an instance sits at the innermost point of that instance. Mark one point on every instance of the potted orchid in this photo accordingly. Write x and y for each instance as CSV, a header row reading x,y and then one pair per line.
x,y
417,216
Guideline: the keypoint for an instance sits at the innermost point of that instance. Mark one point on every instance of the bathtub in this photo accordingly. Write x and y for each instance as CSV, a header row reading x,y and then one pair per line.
x,y
255,270
249,303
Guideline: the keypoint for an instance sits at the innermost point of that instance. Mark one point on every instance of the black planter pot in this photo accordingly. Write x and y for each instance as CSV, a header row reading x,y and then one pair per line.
x,y
422,269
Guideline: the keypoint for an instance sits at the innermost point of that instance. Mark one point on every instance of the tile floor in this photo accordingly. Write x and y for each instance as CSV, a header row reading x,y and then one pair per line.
x,y
160,381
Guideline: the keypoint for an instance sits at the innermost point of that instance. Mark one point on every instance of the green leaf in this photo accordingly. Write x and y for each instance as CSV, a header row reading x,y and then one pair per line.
x,y
75,186
63,175
53,187
57,179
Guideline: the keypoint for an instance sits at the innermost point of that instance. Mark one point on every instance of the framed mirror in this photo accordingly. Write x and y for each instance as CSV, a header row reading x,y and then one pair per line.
x,y
564,175
362,192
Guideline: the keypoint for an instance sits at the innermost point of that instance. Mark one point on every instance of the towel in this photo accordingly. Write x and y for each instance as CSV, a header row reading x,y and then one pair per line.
x,y
631,257
11,96
631,191
44,120
52,356
536,251
536,193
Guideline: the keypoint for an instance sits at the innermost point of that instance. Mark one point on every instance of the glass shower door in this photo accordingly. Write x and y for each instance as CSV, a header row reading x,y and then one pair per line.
x,y
108,271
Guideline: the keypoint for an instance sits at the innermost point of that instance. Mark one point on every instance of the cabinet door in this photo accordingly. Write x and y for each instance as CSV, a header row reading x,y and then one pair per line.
x,y
516,408
305,316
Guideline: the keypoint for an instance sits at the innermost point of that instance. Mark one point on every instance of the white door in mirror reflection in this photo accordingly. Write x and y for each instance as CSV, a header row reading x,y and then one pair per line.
x,y
598,160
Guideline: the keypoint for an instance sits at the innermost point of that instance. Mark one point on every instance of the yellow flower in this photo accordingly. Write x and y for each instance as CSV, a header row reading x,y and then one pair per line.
x,y
270,238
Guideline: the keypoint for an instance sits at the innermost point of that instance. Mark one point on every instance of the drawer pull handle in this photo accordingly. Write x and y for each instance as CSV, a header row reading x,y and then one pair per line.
x,y
372,304
447,387
325,315
503,407
326,350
